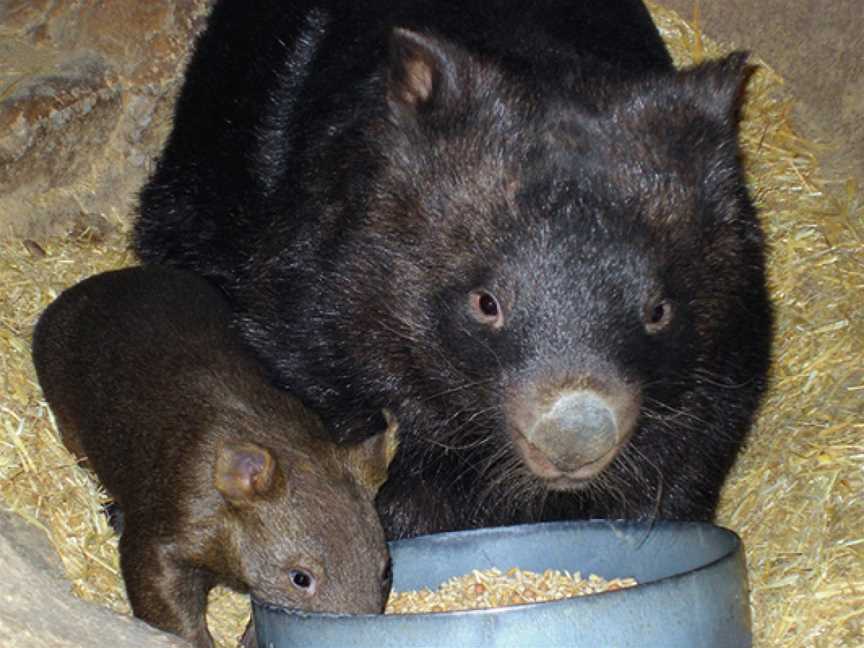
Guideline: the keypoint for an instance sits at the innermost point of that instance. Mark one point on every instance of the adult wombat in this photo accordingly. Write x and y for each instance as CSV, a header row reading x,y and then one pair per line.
x,y
513,223
221,477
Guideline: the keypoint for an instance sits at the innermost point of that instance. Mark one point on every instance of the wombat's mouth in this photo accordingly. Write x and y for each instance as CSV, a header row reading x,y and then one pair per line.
x,y
559,477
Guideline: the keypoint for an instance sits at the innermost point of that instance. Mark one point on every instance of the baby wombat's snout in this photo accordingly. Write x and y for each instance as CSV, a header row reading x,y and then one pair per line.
x,y
356,576
309,536
569,432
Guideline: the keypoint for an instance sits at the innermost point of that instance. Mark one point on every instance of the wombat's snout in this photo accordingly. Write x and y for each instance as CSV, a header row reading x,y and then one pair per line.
x,y
571,435
579,427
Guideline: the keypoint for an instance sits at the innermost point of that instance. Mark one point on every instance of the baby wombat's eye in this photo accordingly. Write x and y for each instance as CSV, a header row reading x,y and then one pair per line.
x,y
303,581
658,315
485,308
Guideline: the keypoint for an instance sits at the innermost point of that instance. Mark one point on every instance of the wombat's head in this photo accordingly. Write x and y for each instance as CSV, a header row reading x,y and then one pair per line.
x,y
552,264
557,282
302,525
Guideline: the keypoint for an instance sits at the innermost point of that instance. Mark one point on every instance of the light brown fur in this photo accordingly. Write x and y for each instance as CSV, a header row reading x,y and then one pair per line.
x,y
221,477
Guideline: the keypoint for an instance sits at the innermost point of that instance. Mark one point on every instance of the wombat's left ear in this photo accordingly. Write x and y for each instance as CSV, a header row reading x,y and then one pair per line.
x,y
370,459
719,86
243,471
423,70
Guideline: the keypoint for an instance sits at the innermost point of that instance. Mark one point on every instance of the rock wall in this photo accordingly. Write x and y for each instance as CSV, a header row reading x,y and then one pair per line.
x,y
38,609
86,93
818,48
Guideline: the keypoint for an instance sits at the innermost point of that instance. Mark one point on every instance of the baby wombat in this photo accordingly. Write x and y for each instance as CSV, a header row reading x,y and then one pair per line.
x,y
221,478
513,223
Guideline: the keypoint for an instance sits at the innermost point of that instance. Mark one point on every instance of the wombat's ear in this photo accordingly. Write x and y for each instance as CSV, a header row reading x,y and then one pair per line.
x,y
370,459
244,471
423,70
719,85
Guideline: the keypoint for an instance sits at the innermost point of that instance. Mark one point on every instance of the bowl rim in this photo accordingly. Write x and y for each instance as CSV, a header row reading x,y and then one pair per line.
x,y
735,547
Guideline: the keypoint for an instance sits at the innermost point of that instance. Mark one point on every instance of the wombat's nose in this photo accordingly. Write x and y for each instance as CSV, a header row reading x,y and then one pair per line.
x,y
569,434
577,429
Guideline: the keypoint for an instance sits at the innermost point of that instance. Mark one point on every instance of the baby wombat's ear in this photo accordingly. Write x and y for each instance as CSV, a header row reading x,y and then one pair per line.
x,y
718,86
244,471
370,459
423,70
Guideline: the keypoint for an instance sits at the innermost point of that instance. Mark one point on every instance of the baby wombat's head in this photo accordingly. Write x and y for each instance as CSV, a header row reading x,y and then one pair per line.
x,y
300,524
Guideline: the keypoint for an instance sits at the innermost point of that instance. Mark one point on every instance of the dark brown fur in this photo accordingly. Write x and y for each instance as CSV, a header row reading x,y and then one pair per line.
x,y
221,478
357,175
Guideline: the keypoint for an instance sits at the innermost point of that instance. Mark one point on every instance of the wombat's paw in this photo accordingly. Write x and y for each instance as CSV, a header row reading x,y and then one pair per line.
x,y
115,516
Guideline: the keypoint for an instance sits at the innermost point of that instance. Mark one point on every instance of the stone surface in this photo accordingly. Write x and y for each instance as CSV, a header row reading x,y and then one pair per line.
x,y
51,126
25,540
86,93
37,609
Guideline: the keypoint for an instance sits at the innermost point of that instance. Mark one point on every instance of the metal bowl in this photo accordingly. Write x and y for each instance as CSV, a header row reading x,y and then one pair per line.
x,y
692,591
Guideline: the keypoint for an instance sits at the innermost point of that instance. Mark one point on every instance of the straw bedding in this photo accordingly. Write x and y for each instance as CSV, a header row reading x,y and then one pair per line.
x,y
795,496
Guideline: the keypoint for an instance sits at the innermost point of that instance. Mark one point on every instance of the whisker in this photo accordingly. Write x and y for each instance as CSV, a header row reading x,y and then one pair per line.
x,y
457,388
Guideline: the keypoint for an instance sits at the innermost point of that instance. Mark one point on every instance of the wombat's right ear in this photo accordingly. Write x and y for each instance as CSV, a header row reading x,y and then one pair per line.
x,y
244,471
718,86
370,459
423,72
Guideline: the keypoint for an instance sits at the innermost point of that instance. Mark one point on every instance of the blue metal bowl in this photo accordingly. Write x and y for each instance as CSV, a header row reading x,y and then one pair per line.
x,y
692,591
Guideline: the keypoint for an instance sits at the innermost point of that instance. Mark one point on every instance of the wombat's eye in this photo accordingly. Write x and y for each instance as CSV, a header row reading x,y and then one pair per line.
x,y
303,581
485,309
658,315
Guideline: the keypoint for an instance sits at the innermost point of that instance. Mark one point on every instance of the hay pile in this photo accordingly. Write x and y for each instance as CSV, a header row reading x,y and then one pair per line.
x,y
795,496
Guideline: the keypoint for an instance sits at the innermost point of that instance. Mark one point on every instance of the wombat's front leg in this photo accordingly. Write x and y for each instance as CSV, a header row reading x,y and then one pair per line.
x,y
163,591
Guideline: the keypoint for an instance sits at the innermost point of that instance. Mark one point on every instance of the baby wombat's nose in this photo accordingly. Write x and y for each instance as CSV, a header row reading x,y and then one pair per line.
x,y
578,428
